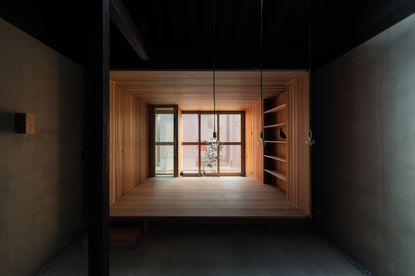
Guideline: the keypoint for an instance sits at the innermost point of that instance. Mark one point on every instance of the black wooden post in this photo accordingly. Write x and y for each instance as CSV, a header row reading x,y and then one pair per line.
x,y
97,116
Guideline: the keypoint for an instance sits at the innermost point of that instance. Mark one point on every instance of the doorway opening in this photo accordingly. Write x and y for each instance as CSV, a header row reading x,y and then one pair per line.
x,y
164,140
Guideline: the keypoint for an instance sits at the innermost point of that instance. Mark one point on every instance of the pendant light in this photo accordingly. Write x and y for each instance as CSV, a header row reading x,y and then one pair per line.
x,y
261,135
214,134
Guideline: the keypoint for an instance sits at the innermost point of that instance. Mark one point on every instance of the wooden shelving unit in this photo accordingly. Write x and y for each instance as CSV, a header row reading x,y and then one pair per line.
x,y
276,158
276,140
276,109
277,174
276,125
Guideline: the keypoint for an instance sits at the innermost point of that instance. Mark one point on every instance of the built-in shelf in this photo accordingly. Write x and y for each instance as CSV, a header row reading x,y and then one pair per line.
x,y
276,125
275,158
276,142
277,174
275,120
276,109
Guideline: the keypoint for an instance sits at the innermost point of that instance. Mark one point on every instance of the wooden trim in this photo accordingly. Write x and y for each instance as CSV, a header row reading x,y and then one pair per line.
x,y
233,143
200,138
190,174
190,143
211,112
243,144
226,174
179,140
293,112
176,140
218,134
164,143
152,141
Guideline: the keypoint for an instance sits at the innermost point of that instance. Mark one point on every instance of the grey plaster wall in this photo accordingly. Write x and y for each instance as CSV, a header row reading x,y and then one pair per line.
x,y
365,197
41,178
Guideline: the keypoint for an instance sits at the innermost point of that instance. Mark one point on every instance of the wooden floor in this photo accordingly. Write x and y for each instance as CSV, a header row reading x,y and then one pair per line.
x,y
216,197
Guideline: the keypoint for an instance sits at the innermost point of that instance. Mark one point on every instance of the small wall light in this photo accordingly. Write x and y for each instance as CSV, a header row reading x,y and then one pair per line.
x,y
24,123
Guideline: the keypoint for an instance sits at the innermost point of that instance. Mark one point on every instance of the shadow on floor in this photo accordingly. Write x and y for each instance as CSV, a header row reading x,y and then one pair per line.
x,y
302,254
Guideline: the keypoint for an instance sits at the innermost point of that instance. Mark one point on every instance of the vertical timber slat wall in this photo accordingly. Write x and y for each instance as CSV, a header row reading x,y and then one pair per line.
x,y
298,191
292,190
304,195
128,141
258,150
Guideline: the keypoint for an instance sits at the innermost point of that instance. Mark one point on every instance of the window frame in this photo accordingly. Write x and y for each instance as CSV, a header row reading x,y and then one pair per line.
x,y
158,109
200,143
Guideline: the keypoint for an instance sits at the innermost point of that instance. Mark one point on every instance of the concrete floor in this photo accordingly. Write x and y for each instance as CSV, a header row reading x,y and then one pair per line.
x,y
217,255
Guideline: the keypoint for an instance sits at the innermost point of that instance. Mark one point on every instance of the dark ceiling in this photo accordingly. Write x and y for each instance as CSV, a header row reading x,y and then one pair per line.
x,y
62,25
340,25
178,33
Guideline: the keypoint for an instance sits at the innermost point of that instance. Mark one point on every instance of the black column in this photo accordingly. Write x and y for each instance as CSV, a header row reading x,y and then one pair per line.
x,y
97,118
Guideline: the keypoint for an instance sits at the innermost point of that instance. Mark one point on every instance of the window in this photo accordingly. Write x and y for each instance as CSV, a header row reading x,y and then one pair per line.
x,y
198,133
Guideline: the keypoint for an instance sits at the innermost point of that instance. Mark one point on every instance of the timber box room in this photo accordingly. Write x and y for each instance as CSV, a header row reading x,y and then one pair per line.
x,y
212,137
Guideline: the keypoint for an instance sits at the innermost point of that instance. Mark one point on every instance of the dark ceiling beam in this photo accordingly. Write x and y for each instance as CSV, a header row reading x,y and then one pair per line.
x,y
125,24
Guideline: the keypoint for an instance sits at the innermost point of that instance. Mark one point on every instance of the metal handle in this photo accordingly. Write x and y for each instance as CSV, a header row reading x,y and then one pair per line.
x,y
310,140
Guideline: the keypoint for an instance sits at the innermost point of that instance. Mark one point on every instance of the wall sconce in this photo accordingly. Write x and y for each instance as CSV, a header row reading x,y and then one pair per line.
x,y
24,123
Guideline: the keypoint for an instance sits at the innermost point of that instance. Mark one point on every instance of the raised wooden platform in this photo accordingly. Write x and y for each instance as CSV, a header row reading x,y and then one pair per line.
x,y
204,197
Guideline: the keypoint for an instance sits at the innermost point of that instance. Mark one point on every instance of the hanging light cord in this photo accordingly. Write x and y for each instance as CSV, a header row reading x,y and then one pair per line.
x,y
214,69
309,36
261,65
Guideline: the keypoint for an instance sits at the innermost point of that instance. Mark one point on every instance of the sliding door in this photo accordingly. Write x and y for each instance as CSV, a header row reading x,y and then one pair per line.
x,y
164,141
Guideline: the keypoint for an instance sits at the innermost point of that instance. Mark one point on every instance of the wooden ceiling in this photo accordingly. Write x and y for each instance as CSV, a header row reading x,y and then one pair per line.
x,y
193,90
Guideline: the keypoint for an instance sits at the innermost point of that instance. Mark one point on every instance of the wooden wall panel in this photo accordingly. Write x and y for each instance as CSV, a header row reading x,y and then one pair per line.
x,y
143,131
298,191
292,159
112,162
304,189
192,90
257,166
128,141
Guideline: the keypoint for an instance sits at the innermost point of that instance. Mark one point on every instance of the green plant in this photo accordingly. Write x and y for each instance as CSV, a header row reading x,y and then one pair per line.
x,y
210,156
